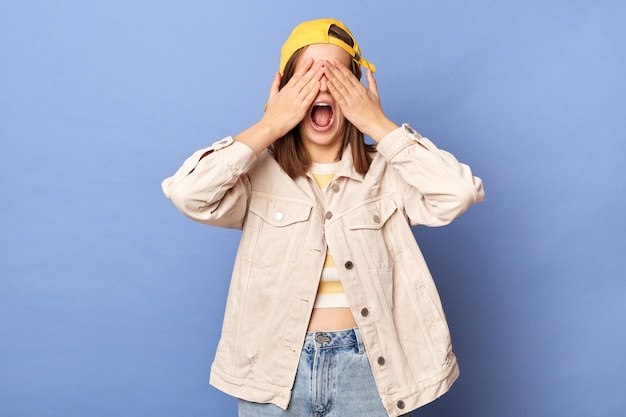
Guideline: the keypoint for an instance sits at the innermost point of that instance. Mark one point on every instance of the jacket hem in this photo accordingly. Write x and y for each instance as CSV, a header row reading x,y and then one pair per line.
x,y
412,398
249,390
422,394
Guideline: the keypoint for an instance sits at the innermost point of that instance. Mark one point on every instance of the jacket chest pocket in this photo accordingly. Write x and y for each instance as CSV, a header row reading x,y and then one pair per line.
x,y
372,226
274,231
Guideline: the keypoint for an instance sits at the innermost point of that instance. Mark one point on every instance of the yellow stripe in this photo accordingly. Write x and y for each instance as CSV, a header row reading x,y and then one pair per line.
x,y
329,262
322,180
330,287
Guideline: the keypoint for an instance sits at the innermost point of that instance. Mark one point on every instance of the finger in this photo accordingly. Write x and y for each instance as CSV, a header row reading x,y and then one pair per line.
x,y
315,71
332,89
310,94
302,84
308,87
304,67
371,82
339,92
335,76
275,85
342,72
345,82
301,72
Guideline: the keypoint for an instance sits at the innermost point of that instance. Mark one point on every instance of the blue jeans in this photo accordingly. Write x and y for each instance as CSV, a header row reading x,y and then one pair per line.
x,y
334,379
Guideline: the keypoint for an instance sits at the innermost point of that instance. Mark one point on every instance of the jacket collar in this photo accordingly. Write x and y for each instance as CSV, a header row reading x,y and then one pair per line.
x,y
346,166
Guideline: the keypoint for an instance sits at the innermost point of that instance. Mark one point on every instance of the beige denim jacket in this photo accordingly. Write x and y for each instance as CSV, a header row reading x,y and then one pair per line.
x,y
365,221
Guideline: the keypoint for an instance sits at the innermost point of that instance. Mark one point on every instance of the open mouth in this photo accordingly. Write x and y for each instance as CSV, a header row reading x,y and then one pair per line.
x,y
322,116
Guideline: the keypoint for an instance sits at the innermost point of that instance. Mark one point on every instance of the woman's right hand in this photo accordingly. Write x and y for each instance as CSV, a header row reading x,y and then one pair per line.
x,y
288,106
285,107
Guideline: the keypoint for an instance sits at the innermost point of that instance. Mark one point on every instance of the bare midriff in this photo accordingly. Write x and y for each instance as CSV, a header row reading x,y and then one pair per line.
x,y
331,319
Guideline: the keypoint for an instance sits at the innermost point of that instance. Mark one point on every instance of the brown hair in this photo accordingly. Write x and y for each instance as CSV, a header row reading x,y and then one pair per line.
x,y
289,151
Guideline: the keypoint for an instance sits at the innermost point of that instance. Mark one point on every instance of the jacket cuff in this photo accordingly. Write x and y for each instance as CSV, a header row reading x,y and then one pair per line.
x,y
236,155
397,140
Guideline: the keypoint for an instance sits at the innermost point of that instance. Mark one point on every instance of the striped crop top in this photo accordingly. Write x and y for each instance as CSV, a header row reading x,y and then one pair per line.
x,y
330,292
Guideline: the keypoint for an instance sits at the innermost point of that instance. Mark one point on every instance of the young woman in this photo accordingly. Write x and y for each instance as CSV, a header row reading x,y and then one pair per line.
x,y
331,309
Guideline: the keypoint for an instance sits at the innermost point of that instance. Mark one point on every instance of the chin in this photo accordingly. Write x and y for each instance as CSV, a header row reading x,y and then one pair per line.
x,y
326,137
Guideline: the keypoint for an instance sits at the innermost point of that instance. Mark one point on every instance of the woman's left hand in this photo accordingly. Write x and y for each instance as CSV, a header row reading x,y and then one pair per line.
x,y
360,105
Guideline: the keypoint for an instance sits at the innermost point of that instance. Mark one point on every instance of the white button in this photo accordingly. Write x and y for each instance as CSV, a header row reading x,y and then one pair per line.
x,y
279,216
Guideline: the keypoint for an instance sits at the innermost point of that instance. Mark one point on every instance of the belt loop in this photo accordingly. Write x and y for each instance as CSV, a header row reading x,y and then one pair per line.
x,y
359,340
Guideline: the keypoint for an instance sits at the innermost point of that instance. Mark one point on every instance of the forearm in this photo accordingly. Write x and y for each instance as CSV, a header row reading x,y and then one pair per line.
x,y
258,137
438,187
210,186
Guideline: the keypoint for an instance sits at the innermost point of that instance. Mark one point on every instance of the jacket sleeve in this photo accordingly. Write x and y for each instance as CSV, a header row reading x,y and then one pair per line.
x,y
435,187
211,186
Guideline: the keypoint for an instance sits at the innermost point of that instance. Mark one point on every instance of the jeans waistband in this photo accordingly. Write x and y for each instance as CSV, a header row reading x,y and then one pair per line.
x,y
335,339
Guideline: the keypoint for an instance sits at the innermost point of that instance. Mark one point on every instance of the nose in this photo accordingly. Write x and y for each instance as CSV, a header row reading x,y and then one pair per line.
x,y
324,84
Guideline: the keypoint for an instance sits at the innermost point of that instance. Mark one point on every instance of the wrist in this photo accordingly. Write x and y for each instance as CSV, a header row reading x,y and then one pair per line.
x,y
381,129
257,137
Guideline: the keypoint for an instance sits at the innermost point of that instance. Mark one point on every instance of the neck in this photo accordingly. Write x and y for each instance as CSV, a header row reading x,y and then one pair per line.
x,y
324,154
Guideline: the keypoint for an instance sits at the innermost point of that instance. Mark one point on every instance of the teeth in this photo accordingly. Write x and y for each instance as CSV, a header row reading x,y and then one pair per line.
x,y
322,105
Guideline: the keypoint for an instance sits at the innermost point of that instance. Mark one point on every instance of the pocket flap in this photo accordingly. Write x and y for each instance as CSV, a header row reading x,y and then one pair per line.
x,y
280,212
372,215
